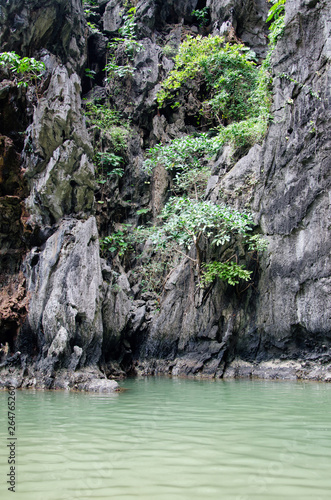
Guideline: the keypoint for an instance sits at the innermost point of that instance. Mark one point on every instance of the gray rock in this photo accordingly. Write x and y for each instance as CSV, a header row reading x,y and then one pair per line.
x,y
146,64
75,358
138,317
65,286
59,171
60,343
116,313
112,17
246,17
103,386
285,183
57,25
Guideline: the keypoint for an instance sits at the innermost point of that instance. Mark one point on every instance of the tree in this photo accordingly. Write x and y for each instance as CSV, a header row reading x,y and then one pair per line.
x,y
189,221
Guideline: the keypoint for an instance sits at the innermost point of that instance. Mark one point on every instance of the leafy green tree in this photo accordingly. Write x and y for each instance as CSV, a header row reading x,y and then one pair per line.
x,y
228,72
188,222
185,158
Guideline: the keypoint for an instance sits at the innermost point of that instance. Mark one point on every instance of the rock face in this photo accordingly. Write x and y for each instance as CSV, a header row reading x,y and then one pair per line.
x,y
293,310
288,314
64,328
58,26
84,313
59,171
65,283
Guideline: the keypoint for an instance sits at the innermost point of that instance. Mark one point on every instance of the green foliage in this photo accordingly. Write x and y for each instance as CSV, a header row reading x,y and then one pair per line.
x,y
276,15
201,15
241,135
276,11
256,243
184,158
187,222
118,242
183,152
126,45
108,165
234,93
231,272
113,69
26,70
142,211
150,275
107,160
128,34
90,73
93,27
110,120
102,116
119,136
227,71
169,51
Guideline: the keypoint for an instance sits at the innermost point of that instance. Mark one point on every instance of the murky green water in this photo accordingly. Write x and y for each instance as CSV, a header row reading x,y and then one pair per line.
x,y
169,439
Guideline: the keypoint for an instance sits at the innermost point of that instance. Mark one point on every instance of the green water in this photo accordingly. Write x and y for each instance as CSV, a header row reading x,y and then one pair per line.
x,y
173,439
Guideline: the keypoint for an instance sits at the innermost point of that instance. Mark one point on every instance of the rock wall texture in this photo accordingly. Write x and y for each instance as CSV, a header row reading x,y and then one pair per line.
x,y
63,326
288,314
86,314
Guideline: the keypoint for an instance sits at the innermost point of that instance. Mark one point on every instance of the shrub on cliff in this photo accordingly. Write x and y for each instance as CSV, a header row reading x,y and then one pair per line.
x,y
25,70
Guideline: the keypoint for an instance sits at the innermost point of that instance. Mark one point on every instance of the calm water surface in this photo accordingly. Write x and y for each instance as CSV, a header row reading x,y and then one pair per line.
x,y
173,439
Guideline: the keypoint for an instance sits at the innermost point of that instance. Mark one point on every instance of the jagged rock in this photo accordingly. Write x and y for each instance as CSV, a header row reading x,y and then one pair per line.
x,y
64,187
65,284
247,18
145,15
75,358
112,17
59,344
58,117
76,311
59,170
290,313
116,313
57,25
138,317
295,284
244,181
146,64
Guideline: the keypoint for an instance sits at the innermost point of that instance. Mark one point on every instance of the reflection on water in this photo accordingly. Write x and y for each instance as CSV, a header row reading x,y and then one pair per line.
x,y
173,439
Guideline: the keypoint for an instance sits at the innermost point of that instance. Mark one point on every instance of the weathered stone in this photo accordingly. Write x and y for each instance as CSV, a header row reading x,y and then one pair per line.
x,y
138,318
65,283
285,183
80,315
116,313
246,17
59,170
57,25
146,64
112,17
103,386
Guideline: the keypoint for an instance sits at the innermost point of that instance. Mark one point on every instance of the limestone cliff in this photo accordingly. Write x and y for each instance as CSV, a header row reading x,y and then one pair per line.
x,y
72,313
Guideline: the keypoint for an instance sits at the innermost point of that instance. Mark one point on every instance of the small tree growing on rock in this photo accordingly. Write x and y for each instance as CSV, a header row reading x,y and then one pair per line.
x,y
26,70
188,222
